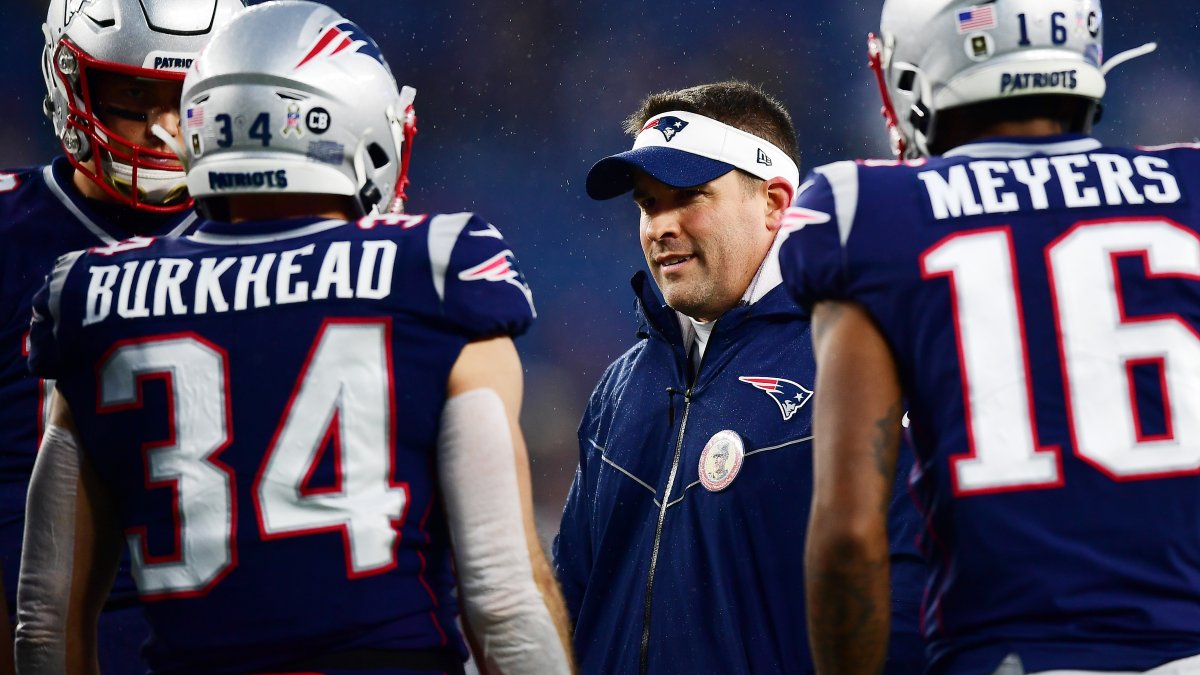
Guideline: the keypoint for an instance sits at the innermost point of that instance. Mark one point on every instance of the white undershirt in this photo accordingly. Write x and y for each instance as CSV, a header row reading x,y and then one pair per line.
x,y
700,332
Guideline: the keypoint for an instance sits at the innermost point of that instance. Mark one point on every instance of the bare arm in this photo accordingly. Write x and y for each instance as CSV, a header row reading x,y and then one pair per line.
x,y
486,384
856,422
69,556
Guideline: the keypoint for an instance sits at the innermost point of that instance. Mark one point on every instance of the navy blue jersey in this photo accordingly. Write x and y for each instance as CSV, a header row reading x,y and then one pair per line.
x,y
1042,301
42,216
262,401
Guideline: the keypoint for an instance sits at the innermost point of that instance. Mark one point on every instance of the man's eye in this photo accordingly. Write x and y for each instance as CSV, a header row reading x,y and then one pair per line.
x,y
125,114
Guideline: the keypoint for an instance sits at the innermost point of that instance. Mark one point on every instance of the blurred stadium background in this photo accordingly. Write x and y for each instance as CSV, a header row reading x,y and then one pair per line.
x,y
517,99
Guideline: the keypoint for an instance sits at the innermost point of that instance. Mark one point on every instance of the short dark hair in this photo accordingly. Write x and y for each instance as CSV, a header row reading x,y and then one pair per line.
x,y
733,102
962,124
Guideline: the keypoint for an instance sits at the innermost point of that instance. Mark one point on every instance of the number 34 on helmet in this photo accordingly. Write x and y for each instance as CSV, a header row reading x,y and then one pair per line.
x,y
294,98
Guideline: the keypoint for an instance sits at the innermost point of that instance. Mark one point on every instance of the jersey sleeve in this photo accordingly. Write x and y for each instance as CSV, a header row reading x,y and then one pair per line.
x,y
812,258
47,358
476,274
17,234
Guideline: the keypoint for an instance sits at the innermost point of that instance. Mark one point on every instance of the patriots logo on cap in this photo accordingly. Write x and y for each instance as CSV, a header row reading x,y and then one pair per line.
x,y
668,125
500,268
342,37
788,395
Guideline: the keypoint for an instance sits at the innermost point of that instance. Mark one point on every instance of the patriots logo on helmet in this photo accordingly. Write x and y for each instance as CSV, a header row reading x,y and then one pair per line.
x,y
342,37
788,395
500,268
667,125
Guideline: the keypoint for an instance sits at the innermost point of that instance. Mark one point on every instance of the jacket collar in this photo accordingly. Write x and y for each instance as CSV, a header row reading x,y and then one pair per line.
x,y
653,314
657,318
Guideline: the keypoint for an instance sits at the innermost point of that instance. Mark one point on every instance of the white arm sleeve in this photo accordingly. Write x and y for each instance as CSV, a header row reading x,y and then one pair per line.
x,y
479,484
47,556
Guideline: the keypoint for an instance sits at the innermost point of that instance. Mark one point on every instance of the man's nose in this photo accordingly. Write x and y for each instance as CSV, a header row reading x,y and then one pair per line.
x,y
661,225
165,117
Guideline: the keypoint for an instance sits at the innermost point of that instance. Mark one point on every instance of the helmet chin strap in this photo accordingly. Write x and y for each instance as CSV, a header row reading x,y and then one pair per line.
x,y
403,132
155,186
1127,55
162,135
875,56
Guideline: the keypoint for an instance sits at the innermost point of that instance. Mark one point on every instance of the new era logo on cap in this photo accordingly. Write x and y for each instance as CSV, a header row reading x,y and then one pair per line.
x,y
763,158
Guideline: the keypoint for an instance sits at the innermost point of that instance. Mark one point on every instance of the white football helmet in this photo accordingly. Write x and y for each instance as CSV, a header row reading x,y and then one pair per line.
x,y
154,40
937,54
292,97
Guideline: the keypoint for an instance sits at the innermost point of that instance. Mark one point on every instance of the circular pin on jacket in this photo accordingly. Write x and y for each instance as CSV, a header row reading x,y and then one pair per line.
x,y
721,460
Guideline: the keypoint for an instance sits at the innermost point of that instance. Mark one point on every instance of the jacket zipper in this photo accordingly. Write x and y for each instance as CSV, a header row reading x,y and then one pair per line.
x,y
643,659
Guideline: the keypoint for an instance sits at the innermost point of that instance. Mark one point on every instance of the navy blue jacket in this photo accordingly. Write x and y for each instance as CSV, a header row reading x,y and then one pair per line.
x,y
713,583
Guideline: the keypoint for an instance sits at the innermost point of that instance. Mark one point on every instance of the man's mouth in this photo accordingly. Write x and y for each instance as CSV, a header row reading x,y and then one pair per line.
x,y
673,260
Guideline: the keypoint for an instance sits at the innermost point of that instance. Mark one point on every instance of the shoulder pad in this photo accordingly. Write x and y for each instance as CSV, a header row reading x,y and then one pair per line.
x,y
45,352
17,188
476,276
12,180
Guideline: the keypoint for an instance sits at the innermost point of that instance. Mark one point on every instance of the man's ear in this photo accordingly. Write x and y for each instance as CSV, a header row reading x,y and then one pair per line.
x,y
779,197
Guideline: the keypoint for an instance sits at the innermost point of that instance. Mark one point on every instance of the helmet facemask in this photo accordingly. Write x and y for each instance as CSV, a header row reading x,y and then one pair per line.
x,y
909,127
135,53
137,175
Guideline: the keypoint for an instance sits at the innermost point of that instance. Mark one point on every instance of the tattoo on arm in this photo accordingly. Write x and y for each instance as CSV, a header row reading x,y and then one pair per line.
x,y
883,446
846,556
844,610
848,590
826,316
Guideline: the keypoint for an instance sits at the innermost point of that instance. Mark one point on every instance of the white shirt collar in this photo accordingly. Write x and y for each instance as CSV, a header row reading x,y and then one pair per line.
x,y
768,275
